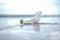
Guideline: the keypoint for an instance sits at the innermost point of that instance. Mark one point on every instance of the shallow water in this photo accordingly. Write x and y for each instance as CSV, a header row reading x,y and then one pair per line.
x,y
10,29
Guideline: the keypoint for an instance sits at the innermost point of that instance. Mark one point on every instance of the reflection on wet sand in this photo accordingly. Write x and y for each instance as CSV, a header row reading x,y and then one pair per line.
x,y
36,27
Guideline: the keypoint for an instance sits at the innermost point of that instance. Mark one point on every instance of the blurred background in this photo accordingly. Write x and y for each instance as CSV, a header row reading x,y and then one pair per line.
x,y
11,11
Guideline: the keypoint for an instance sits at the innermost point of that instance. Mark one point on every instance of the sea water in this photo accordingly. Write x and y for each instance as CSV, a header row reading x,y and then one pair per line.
x,y
10,29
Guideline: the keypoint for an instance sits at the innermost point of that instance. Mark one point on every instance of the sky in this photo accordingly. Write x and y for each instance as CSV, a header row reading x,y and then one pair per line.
x,y
28,6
